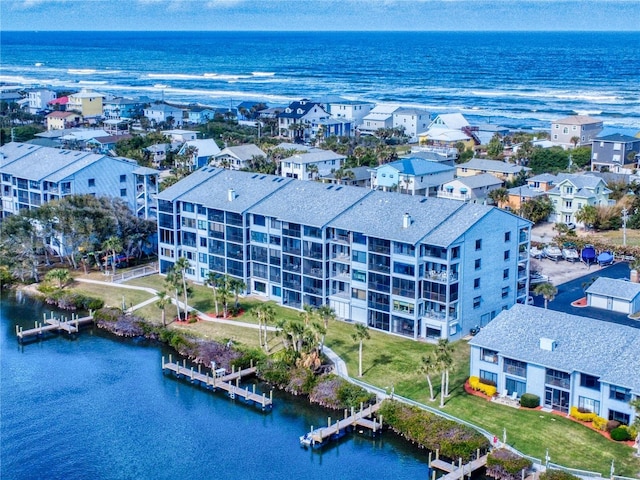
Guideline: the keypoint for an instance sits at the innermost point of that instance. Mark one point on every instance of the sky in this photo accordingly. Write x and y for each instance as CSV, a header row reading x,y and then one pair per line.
x,y
329,15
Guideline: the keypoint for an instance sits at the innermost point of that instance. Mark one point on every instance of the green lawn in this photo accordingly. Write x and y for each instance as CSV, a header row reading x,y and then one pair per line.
x,y
112,296
390,361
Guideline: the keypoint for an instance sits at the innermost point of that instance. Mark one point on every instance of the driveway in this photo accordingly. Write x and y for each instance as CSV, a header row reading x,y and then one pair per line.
x,y
573,290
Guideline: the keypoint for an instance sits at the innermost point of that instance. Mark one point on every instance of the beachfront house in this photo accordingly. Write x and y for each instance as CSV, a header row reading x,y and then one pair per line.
x,y
236,158
575,131
447,130
614,152
311,165
200,115
414,176
352,110
158,113
380,117
571,192
473,189
295,121
39,98
32,175
528,349
61,120
419,267
121,108
87,102
507,172
412,121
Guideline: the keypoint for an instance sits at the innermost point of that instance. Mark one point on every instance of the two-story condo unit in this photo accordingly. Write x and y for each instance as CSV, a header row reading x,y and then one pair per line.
x,y
506,172
311,165
571,192
414,176
86,102
615,151
121,108
576,130
381,116
33,175
567,360
413,266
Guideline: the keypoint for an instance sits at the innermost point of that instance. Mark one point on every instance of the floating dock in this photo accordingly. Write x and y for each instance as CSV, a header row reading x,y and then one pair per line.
x,y
221,380
317,438
53,325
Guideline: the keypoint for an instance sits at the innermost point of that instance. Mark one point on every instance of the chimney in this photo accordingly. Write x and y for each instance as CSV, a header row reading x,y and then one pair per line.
x,y
231,194
406,220
548,344
634,277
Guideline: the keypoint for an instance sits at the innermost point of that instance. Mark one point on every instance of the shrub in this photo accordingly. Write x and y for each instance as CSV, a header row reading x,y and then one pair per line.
x,y
557,475
476,384
529,400
620,434
611,424
599,423
582,416
486,381
506,465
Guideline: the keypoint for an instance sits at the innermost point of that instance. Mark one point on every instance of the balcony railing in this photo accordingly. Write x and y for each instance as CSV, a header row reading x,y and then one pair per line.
x,y
557,382
434,315
344,239
517,371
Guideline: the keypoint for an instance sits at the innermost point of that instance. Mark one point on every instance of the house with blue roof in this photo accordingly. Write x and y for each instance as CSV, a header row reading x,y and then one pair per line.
x,y
419,267
615,152
474,189
566,360
415,176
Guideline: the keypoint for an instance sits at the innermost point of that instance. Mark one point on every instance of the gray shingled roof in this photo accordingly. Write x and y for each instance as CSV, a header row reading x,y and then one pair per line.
x,y
525,191
381,215
493,166
448,232
603,349
310,203
192,180
242,152
315,156
611,287
481,180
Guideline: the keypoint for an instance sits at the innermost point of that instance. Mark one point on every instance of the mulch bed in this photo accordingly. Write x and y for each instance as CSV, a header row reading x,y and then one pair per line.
x,y
580,303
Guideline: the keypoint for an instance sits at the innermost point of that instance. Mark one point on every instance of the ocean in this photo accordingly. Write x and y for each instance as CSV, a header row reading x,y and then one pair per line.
x,y
515,79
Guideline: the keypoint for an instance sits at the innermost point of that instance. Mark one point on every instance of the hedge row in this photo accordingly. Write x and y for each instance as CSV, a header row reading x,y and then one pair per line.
x,y
506,465
432,432
476,384
582,416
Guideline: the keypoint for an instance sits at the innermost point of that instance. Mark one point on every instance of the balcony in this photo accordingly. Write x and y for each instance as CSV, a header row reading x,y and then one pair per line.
x,y
342,239
341,275
339,293
442,276
341,257
434,315
514,370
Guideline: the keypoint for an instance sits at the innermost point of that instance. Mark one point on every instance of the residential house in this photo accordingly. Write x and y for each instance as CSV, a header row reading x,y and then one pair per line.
x,y
519,195
60,120
543,182
311,165
571,192
39,98
486,131
381,116
10,93
86,102
162,113
413,266
201,151
236,158
295,121
77,138
200,115
528,349
616,295
444,155
615,151
178,136
414,176
106,145
575,130
352,110
447,130
473,189
33,175
507,172
412,121
158,152
327,127
356,176
59,104
249,110
121,108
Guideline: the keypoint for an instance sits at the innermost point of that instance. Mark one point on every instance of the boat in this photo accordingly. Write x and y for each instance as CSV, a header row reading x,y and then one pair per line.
x,y
569,253
605,258
537,277
588,254
306,440
535,252
553,252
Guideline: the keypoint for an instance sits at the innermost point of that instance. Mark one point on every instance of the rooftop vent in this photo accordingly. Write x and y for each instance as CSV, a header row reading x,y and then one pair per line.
x,y
548,344
406,220
231,194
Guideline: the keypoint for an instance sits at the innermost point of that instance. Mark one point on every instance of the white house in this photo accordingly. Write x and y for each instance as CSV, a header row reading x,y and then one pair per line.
x,y
161,112
473,189
236,158
412,121
351,110
614,294
381,116
38,99
414,176
295,120
202,151
298,165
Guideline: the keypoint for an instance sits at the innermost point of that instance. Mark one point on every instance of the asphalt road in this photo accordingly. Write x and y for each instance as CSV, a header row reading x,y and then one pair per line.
x,y
573,290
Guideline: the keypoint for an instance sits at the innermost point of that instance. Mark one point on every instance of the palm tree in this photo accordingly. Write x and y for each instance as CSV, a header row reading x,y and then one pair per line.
x,y
326,313
360,335
587,215
213,281
428,367
62,275
575,140
236,286
113,244
307,314
500,196
174,282
312,169
547,290
224,291
163,301
182,265
444,362
265,314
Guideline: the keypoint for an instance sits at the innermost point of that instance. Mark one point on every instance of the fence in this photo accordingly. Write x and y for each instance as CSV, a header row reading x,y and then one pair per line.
x,y
135,273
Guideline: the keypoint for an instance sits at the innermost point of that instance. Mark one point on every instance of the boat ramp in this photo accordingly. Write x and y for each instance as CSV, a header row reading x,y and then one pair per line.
x,y
220,379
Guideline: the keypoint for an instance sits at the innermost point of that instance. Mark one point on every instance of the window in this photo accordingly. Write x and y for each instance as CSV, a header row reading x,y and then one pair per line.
x,y
505,292
487,355
476,302
505,274
515,367
187,207
489,378
476,283
479,244
358,294
202,224
478,263
123,178
123,192
557,378
92,182
507,254
623,418
403,269
259,220
589,381
507,236
589,404
360,257
619,393
258,237
359,238
359,276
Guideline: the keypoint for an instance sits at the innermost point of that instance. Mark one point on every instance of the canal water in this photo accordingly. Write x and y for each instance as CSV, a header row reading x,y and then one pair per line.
x,y
96,407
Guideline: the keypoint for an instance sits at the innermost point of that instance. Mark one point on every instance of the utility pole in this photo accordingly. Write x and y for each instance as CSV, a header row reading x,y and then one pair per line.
x,y
625,217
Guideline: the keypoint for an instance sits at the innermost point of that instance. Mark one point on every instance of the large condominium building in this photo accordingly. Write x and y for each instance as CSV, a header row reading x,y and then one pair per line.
x,y
413,266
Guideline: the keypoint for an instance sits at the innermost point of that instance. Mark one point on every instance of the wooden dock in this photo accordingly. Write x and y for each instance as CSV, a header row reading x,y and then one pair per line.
x,y
317,437
54,325
224,382
456,472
